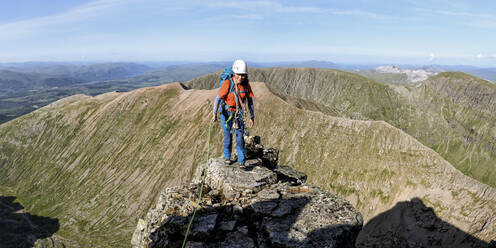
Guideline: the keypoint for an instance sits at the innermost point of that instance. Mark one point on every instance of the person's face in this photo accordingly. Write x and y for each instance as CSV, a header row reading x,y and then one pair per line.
x,y
238,78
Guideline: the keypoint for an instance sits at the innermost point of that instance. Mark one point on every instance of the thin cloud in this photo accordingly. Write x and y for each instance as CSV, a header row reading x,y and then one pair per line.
x,y
276,7
486,56
249,17
303,9
479,20
251,6
83,12
456,13
432,57
361,13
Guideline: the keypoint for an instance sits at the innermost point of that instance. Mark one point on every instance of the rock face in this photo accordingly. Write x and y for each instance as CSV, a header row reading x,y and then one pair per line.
x,y
258,205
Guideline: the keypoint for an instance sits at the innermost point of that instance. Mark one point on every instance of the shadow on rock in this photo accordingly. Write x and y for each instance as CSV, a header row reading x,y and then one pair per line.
x,y
19,229
289,219
413,224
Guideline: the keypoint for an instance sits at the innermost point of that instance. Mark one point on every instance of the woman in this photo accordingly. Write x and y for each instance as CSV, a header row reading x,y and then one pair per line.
x,y
231,99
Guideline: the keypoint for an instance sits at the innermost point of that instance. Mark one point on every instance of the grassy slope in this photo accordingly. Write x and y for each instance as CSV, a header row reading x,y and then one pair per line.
x,y
465,107
97,163
373,164
334,92
389,78
452,112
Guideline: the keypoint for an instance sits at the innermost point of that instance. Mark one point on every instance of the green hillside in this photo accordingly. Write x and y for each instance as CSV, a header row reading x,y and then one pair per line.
x,y
452,113
96,164
459,114
333,92
384,77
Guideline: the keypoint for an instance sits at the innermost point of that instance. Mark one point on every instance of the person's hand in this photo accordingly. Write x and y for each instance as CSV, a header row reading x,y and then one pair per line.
x,y
250,124
214,117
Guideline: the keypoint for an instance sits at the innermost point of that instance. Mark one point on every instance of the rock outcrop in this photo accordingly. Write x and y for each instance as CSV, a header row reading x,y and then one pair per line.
x,y
258,205
413,75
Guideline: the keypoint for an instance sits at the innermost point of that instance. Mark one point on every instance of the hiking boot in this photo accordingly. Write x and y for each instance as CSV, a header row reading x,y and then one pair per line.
x,y
227,161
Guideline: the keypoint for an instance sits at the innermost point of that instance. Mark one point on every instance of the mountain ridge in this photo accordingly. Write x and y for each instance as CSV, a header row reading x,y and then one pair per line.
x,y
428,117
99,163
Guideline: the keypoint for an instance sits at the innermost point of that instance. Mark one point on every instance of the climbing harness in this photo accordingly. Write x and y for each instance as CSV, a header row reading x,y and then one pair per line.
x,y
240,109
204,173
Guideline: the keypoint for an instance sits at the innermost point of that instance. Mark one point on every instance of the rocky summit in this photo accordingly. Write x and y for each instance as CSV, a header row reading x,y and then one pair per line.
x,y
260,204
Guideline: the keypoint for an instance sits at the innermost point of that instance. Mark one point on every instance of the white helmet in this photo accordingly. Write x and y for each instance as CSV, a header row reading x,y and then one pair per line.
x,y
239,67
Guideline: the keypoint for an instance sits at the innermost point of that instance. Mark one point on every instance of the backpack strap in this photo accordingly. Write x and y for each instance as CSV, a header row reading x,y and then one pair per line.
x,y
227,74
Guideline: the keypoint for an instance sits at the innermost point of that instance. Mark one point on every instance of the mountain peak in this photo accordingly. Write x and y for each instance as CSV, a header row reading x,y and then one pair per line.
x,y
256,205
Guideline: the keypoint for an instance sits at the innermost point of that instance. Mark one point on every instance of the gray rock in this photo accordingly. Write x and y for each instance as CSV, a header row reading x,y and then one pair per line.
x,y
194,245
249,207
288,174
253,147
268,194
282,210
237,209
243,230
263,207
231,179
203,226
227,225
238,240
492,244
270,157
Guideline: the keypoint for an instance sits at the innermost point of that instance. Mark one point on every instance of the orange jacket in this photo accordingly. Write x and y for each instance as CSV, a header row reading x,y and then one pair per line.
x,y
229,97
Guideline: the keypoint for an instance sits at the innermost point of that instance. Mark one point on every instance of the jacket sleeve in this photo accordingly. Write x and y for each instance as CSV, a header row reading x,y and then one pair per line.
x,y
249,92
250,108
216,104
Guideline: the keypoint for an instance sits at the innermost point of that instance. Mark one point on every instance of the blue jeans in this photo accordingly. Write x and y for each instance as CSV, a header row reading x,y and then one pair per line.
x,y
240,142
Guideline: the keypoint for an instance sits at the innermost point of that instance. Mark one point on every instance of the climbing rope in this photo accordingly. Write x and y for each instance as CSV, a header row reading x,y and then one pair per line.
x,y
201,187
240,110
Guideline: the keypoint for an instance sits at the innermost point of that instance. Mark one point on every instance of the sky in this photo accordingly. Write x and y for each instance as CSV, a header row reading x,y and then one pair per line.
x,y
340,31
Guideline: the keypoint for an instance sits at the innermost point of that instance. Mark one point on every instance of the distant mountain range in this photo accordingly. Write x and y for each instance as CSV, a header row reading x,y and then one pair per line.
x,y
87,73
17,81
485,73
26,87
92,71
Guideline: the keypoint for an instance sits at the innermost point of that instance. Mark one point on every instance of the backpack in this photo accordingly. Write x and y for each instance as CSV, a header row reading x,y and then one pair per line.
x,y
228,74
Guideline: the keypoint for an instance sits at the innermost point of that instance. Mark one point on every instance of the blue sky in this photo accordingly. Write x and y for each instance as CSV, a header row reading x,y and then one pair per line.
x,y
402,31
